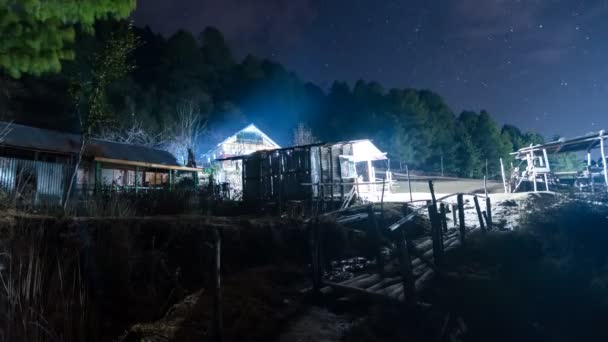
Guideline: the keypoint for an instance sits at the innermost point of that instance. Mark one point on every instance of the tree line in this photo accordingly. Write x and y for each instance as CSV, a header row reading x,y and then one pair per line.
x,y
195,81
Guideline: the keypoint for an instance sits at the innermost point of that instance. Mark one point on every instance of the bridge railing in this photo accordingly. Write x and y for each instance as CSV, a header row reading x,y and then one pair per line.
x,y
407,251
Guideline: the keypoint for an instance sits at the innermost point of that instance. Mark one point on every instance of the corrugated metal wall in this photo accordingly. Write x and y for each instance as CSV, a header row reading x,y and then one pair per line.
x,y
41,181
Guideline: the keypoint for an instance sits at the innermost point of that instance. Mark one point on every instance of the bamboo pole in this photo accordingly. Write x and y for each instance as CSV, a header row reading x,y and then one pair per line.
x,y
485,185
479,214
502,171
409,181
603,152
460,201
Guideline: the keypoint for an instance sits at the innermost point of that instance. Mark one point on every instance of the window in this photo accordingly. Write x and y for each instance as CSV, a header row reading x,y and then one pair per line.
x,y
347,168
249,138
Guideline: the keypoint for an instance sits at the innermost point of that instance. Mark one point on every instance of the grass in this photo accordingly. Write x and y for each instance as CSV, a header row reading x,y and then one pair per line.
x,y
546,281
42,294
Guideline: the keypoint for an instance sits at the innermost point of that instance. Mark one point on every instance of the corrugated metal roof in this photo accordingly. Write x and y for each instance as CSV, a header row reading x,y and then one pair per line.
x,y
33,138
370,149
583,143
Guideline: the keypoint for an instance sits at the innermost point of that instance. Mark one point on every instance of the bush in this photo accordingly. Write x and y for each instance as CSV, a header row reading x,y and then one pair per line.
x,y
547,281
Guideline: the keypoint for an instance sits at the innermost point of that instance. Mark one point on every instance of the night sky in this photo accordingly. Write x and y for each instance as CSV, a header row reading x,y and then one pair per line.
x,y
539,64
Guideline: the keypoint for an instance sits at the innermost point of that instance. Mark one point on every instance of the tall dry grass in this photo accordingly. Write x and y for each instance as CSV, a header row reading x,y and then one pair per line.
x,y
43,296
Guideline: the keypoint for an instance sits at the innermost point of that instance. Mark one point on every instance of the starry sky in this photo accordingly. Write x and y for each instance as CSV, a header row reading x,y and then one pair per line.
x,y
539,64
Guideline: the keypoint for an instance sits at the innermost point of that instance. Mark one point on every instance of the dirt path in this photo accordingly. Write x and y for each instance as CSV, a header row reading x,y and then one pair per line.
x,y
317,325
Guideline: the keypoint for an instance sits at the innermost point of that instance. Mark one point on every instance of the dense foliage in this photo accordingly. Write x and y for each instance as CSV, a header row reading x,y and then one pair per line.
x,y
36,34
416,127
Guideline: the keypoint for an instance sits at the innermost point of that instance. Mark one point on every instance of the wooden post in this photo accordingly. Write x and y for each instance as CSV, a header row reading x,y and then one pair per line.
x,y
436,234
382,202
317,272
407,273
218,320
485,185
489,213
375,239
97,176
479,214
502,171
486,167
603,152
170,180
136,178
432,190
460,200
454,218
409,181
444,222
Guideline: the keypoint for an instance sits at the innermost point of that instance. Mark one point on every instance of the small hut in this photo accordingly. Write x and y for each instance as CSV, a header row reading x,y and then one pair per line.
x,y
229,171
328,172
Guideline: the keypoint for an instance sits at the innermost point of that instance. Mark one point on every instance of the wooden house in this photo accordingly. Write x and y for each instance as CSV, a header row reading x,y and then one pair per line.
x,y
328,172
38,164
229,171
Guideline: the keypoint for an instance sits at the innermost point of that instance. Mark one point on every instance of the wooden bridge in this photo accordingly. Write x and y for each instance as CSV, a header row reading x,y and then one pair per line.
x,y
416,259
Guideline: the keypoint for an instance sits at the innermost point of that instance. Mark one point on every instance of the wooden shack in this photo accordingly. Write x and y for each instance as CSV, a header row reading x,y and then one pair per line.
x,y
328,172
37,164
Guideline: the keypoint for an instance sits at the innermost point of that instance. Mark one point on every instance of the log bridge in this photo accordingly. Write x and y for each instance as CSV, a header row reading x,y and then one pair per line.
x,y
414,262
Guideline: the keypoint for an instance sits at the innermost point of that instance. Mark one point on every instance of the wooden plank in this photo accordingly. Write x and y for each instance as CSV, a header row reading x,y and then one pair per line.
x,y
462,227
424,257
392,291
369,279
352,218
384,283
435,233
147,165
361,276
405,262
489,212
444,222
479,214
359,291
375,239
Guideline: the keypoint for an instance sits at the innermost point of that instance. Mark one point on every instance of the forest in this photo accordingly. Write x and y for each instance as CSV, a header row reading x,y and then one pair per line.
x,y
199,74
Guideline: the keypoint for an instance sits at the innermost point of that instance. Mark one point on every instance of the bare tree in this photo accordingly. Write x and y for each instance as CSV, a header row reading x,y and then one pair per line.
x,y
135,133
302,135
89,95
186,130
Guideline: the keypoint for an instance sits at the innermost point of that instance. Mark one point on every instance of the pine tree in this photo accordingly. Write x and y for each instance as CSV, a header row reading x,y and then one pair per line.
x,y
36,34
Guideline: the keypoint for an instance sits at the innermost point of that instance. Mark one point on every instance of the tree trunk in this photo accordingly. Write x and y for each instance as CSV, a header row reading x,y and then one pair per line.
x,y
74,173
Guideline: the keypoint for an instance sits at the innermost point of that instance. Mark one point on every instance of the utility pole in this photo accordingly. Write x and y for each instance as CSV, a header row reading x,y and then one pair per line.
x,y
486,167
